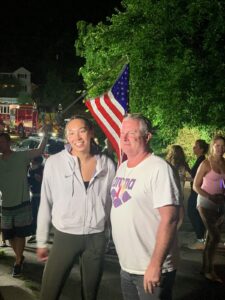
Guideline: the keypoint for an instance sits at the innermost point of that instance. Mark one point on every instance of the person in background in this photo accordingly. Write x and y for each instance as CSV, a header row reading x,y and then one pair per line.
x,y
16,207
3,242
144,216
200,149
177,160
35,174
75,197
21,130
209,183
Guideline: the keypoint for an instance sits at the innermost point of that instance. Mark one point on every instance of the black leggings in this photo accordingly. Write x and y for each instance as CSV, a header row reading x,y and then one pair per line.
x,y
65,250
194,216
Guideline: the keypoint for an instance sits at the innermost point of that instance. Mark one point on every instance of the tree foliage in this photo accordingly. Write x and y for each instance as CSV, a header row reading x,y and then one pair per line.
x,y
177,60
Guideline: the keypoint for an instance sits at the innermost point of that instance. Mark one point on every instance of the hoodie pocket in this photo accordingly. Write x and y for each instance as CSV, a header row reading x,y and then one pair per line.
x,y
69,214
98,214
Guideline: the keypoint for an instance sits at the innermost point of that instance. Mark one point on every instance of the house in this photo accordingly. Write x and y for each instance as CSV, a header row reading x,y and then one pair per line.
x,y
24,76
12,83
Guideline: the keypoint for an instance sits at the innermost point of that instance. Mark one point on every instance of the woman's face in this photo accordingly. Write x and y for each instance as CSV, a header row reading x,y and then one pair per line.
x,y
79,136
197,150
218,148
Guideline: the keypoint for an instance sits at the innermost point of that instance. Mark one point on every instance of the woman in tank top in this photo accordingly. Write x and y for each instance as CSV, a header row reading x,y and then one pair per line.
x,y
209,183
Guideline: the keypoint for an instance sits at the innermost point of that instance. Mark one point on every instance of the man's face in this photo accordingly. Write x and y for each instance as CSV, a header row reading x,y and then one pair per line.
x,y
78,135
132,140
4,145
197,150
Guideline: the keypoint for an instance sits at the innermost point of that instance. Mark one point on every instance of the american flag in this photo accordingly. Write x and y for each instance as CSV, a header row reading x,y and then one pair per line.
x,y
109,109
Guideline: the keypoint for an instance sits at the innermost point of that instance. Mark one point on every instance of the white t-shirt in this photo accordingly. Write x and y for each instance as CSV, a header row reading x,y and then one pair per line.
x,y
136,194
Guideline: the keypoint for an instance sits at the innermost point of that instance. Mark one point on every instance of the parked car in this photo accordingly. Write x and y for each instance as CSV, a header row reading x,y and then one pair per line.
x,y
53,146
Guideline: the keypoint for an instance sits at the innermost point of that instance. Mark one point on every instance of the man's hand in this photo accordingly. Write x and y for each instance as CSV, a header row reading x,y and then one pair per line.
x,y
164,238
42,254
151,278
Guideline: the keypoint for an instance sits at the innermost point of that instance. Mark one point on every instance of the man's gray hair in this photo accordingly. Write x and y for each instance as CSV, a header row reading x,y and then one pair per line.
x,y
145,123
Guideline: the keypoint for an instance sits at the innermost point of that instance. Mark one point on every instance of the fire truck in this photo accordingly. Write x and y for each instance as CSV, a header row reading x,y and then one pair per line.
x,y
20,119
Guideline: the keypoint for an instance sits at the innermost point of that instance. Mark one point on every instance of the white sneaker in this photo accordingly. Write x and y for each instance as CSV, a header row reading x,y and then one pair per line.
x,y
221,245
198,245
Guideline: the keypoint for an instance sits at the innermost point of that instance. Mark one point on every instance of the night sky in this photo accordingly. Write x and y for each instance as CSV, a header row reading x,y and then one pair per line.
x,y
33,32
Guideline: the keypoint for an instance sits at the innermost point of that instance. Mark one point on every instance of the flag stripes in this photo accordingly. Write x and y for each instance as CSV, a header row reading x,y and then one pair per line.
x,y
109,117
108,110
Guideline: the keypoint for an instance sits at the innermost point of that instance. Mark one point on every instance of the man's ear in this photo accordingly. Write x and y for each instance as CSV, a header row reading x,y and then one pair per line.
x,y
148,137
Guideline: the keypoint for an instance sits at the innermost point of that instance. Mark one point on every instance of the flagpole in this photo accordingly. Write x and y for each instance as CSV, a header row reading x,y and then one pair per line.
x,y
85,92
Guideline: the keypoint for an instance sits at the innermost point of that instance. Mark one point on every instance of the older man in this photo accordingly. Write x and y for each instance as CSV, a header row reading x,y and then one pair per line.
x,y
16,208
144,216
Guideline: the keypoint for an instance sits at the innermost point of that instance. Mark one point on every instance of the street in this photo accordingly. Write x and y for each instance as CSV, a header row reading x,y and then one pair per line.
x,y
189,285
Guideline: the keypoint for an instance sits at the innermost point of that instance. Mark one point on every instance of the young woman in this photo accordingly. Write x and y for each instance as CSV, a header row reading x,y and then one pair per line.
x,y
177,160
75,197
209,184
200,149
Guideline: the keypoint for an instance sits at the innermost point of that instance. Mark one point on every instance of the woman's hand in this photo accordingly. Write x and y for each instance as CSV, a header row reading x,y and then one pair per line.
x,y
42,254
217,198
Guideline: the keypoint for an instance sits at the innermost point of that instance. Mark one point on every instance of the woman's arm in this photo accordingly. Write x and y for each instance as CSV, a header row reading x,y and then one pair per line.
x,y
187,168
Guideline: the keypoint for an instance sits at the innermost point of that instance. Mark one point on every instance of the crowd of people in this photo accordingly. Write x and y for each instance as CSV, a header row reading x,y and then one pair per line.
x,y
80,192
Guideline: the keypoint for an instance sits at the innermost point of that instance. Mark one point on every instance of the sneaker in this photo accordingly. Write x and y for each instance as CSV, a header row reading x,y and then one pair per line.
x,y
3,245
32,239
198,245
17,268
221,245
213,277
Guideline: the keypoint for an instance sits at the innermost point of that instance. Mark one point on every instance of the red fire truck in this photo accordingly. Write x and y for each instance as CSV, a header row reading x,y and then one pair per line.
x,y
21,119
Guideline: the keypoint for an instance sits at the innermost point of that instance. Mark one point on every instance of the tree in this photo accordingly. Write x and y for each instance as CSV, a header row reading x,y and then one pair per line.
x,y
177,60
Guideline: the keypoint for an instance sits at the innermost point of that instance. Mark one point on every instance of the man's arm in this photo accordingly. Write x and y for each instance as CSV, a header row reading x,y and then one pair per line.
x,y
164,238
38,151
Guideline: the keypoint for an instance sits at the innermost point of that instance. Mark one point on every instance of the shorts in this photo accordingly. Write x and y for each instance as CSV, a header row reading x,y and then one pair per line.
x,y
208,204
17,221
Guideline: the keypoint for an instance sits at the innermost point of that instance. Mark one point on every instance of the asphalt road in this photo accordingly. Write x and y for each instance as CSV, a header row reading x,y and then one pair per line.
x,y
189,285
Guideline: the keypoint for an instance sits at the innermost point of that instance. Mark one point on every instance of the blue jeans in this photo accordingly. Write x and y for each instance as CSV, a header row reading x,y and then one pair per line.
x,y
133,287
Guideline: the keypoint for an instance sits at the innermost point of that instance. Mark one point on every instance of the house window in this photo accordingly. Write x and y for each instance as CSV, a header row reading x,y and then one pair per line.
x,y
22,76
4,109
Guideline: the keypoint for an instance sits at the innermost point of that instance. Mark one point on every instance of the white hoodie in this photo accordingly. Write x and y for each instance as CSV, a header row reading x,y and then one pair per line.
x,y
65,201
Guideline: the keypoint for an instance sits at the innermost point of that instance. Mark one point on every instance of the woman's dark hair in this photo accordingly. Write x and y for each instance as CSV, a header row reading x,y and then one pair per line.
x,y
176,156
203,145
94,147
87,122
